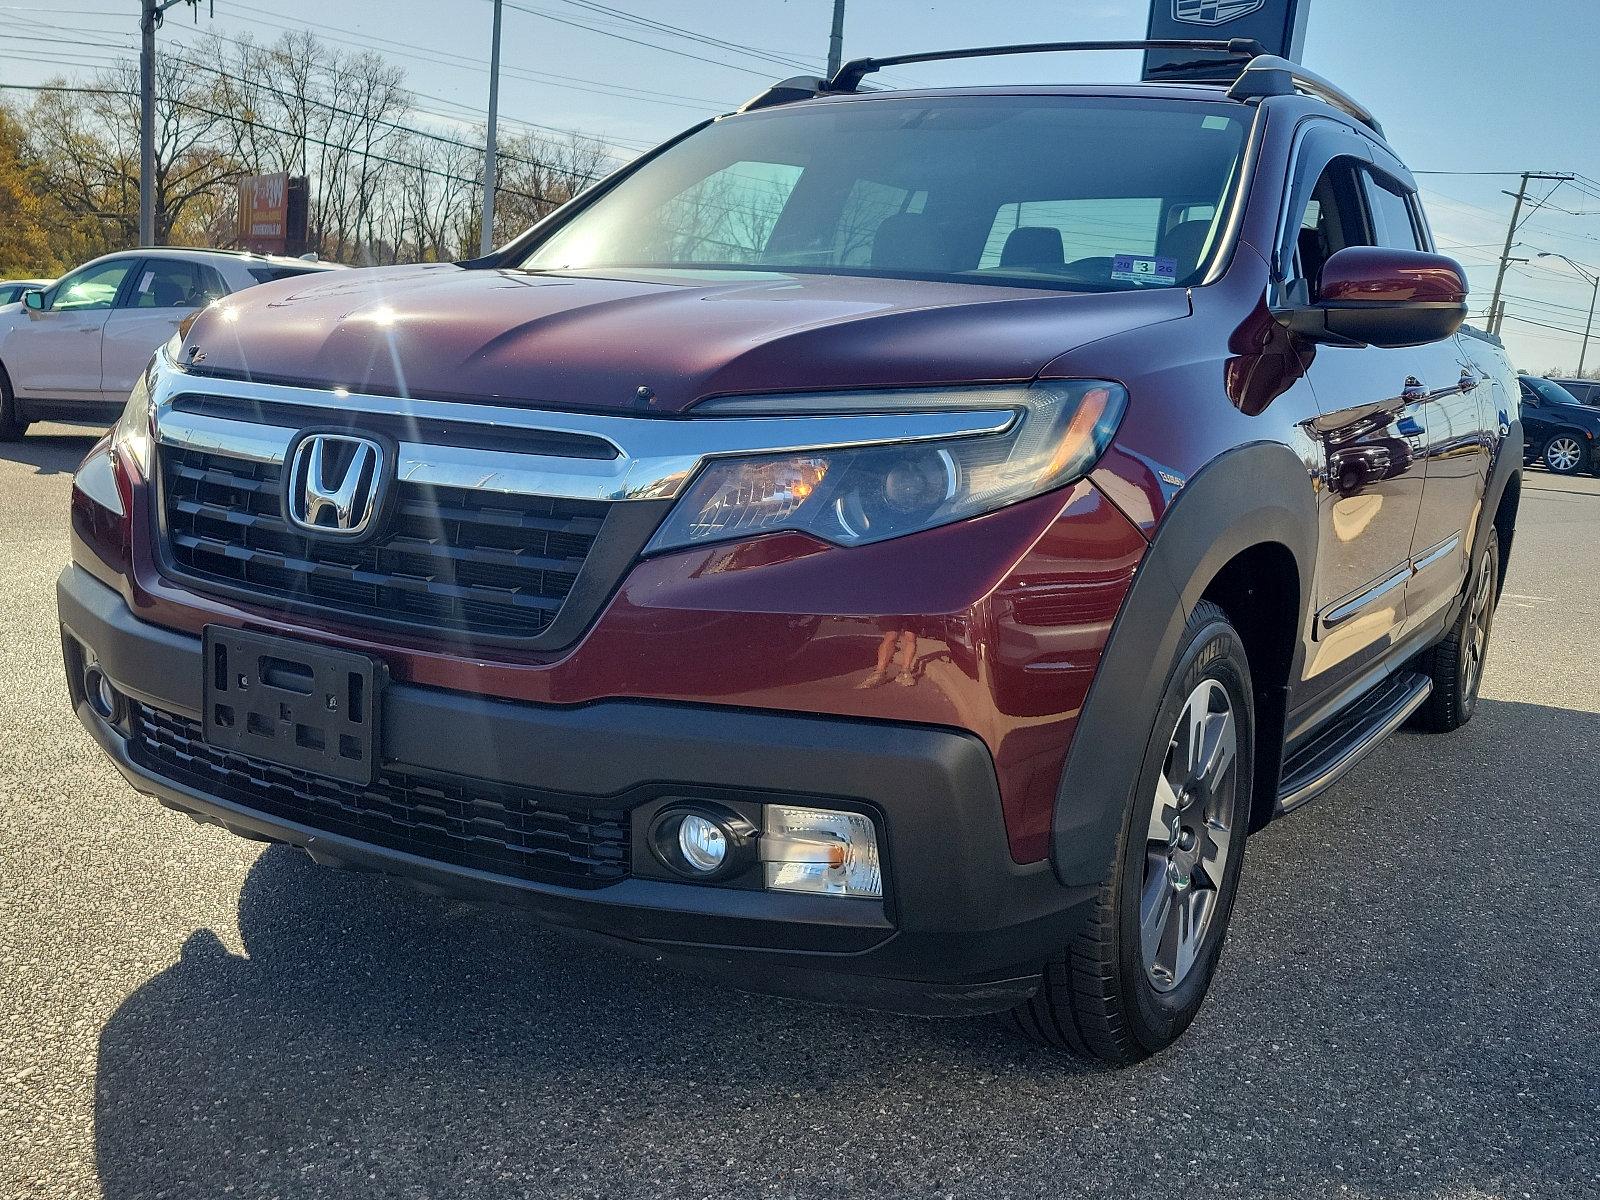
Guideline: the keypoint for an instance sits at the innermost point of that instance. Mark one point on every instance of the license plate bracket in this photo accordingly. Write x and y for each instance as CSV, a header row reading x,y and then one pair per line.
x,y
292,703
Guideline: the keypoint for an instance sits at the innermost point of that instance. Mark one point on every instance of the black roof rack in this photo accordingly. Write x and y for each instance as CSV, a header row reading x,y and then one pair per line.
x,y
1269,75
848,77
1261,75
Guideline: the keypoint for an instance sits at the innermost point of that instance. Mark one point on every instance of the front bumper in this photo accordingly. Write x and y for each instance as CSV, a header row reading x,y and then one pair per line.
x,y
963,927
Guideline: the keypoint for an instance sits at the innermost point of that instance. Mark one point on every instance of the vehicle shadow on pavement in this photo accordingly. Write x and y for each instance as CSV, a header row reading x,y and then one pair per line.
x,y
1401,1012
50,453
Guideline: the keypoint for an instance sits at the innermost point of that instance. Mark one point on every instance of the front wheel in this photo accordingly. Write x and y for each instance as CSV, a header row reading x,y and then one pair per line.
x,y
1564,454
1456,664
1133,980
12,426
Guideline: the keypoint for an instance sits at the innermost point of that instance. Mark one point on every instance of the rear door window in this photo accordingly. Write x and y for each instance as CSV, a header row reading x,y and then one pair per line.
x,y
172,283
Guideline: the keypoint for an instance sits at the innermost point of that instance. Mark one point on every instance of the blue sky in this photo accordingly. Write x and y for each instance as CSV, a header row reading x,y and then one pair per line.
x,y
1460,85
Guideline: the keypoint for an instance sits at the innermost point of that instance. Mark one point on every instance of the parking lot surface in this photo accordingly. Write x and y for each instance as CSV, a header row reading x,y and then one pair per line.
x,y
1407,1005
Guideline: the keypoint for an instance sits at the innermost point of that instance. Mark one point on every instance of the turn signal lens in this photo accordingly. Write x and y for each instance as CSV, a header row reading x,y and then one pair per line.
x,y
822,851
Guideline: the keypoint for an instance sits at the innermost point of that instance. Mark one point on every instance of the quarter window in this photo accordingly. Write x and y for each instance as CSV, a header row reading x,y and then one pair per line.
x,y
1392,221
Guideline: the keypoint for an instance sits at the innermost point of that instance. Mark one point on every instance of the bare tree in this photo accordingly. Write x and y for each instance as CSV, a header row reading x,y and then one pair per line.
x,y
381,190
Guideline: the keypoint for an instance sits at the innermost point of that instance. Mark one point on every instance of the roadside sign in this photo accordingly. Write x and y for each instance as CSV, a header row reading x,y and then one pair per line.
x,y
1279,25
272,213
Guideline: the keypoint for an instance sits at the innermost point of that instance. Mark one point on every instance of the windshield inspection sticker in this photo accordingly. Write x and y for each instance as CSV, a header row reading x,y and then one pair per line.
x,y
1139,268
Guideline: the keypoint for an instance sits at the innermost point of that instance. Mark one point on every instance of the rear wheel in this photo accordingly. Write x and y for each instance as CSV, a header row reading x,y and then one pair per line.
x,y
1456,664
1564,453
12,426
1133,980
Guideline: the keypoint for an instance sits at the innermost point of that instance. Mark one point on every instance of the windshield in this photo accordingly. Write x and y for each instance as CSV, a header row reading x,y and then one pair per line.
x,y
1091,193
1548,391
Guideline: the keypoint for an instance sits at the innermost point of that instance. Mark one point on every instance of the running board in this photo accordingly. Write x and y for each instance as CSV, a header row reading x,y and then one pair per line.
x,y
1327,753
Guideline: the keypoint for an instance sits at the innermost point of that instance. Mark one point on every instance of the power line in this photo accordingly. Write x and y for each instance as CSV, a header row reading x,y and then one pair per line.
x,y
716,62
315,141
423,133
436,57
1577,333
782,60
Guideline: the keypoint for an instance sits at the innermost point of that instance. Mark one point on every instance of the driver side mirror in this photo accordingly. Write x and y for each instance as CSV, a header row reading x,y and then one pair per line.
x,y
1377,296
33,300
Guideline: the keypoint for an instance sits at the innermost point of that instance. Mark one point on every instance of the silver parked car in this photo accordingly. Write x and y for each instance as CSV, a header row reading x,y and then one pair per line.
x,y
11,290
73,350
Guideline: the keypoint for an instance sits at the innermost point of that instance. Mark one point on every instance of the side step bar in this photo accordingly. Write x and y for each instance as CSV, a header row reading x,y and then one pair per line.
x,y
1325,754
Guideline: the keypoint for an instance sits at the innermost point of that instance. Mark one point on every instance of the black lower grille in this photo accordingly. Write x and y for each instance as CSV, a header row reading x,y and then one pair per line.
x,y
469,823
448,559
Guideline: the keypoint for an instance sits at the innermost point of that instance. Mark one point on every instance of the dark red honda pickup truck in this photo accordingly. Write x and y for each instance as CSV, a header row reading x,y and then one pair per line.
x,y
889,547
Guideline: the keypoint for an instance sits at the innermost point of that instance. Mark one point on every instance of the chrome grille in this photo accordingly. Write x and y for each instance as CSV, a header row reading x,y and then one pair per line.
x,y
446,559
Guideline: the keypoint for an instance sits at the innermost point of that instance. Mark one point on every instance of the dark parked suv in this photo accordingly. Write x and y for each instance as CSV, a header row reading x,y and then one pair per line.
x,y
884,547
1585,391
1559,430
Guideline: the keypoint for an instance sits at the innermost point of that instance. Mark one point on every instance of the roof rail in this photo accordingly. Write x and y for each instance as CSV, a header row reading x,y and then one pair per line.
x,y
848,77
1269,75
796,87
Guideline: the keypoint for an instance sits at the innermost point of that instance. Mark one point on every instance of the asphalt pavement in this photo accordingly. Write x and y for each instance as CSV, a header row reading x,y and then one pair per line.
x,y
1406,1007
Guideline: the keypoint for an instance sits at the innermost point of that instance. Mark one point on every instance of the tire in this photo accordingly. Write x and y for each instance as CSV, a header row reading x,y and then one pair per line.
x,y
1456,664
1564,452
1115,994
12,426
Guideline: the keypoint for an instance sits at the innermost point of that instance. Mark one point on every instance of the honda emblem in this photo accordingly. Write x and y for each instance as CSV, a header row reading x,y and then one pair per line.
x,y
334,484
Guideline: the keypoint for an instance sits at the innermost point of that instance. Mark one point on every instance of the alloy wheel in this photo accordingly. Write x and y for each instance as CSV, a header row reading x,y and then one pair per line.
x,y
1186,848
1563,454
1475,643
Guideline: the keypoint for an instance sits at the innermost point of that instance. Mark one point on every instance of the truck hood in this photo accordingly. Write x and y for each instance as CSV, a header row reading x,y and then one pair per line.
x,y
593,340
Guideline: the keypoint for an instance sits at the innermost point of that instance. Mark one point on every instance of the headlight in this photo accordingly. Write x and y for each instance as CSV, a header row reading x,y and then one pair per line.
x,y
134,431
869,493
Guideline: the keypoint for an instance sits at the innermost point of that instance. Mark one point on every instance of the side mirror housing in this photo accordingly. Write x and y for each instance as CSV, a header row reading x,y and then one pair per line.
x,y
1377,296
33,300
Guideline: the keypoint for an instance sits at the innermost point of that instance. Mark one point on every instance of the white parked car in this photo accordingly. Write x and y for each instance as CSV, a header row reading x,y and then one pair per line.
x,y
11,290
73,351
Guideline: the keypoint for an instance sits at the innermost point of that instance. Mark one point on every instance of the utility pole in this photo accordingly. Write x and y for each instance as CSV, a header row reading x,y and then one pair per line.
x,y
1511,236
1593,279
836,39
150,14
149,17
490,163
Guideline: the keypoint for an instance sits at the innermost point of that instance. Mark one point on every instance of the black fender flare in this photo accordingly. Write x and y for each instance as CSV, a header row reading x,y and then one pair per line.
x,y
1255,494
1505,467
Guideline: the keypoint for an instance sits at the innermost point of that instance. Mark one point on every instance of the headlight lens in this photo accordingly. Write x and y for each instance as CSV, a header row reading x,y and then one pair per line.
x,y
870,493
134,432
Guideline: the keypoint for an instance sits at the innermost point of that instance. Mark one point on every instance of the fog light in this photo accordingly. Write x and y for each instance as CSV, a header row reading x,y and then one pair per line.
x,y
703,845
821,850
704,842
103,698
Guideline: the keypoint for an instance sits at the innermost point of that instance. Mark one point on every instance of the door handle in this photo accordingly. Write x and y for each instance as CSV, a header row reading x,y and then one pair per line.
x,y
1414,392
1469,379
